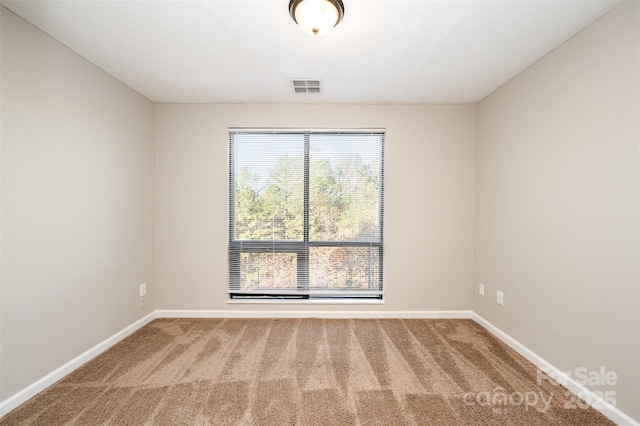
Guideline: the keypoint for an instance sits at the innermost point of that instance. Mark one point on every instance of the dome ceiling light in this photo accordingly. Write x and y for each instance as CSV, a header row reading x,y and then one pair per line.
x,y
316,17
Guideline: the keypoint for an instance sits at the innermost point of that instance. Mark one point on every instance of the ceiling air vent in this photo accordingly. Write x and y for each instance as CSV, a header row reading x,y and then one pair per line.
x,y
306,86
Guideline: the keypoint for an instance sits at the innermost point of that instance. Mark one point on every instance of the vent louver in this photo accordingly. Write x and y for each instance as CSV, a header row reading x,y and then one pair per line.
x,y
306,86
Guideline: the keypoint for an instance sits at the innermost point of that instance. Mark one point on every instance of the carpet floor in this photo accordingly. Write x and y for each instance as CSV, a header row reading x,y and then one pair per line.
x,y
306,372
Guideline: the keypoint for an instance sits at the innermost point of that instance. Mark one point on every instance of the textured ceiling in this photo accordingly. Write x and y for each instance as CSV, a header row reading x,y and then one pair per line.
x,y
391,51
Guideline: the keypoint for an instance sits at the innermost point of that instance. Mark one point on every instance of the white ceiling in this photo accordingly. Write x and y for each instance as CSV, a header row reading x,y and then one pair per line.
x,y
384,51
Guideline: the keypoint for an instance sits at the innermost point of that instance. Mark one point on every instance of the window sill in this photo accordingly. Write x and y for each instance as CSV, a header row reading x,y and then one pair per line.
x,y
303,302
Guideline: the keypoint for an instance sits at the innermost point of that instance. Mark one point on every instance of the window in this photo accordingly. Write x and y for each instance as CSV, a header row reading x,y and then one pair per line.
x,y
306,214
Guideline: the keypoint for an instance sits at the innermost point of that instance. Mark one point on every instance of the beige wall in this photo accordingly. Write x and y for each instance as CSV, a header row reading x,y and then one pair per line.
x,y
429,154
78,204
557,204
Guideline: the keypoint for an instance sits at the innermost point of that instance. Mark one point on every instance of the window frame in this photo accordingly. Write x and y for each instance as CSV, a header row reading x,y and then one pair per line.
x,y
302,247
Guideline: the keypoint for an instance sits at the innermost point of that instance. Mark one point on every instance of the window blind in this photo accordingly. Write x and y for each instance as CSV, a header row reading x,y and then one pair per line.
x,y
306,213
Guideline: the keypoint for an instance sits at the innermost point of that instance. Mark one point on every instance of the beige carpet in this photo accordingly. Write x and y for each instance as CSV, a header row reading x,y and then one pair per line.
x,y
305,372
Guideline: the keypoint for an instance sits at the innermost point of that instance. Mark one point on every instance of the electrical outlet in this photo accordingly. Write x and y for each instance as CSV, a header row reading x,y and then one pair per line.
x,y
500,298
481,289
143,299
143,289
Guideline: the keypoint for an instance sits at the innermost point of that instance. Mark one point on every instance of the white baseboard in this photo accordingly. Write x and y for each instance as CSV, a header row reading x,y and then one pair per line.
x,y
608,410
310,314
40,385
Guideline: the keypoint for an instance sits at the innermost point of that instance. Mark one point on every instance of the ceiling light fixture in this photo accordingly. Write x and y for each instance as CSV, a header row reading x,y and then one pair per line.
x,y
316,16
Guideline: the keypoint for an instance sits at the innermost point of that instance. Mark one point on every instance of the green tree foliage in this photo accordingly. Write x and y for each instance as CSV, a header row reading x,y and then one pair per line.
x,y
344,199
271,211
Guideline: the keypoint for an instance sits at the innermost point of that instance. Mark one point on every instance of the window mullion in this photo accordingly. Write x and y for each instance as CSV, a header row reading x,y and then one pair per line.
x,y
306,188
303,258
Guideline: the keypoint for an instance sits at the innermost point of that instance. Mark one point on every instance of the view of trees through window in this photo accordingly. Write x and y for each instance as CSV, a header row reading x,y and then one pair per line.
x,y
306,212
